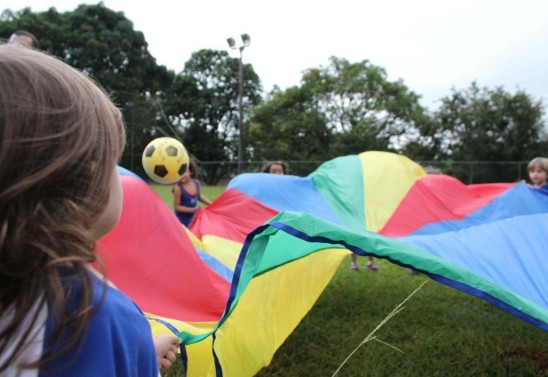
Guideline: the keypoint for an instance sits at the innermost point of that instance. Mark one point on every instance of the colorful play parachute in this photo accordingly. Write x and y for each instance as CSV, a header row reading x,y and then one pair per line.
x,y
253,263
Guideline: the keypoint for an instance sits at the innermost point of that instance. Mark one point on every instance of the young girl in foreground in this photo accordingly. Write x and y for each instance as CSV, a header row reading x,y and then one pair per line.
x,y
60,139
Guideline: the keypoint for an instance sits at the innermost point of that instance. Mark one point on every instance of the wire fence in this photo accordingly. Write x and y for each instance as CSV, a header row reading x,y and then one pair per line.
x,y
469,172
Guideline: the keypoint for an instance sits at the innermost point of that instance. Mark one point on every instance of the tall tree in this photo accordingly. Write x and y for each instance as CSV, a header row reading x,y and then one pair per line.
x,y
289,126
203,105
481,124
103,44
343,108
363,108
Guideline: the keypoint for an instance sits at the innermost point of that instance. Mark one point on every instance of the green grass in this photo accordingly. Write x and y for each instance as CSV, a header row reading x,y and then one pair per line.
x,y
442,331
211,192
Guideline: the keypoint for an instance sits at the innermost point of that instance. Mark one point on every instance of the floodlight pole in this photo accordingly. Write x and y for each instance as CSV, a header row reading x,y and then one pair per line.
x,y
232,44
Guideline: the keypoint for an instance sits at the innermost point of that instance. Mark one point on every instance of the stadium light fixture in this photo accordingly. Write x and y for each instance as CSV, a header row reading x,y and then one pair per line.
x,y
246,41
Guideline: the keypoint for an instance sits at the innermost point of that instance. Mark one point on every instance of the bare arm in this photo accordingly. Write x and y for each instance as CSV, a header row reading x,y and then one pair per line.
x,y
166,349
204,199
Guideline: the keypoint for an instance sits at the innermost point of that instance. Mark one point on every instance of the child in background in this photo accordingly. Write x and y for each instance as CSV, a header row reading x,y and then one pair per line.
x,y
276,167
24,38
186,194
538,172
60,140
370,263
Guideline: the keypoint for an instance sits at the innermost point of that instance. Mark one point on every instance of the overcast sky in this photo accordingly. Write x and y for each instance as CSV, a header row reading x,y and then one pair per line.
x,y
432,45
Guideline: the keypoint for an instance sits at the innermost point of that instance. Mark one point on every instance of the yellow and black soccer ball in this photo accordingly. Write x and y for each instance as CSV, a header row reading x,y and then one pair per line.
x,y
165,160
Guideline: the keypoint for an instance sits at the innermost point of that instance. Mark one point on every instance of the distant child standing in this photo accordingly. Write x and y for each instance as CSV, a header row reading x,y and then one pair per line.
x,y
371,265
275,167
538,172
187,194
60,140
24,38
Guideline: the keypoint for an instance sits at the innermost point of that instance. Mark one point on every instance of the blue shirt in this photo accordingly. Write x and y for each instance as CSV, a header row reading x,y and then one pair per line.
x,y
118,341
188,200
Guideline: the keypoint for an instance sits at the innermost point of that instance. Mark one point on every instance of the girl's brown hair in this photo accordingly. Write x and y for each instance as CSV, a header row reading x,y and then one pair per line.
x,y
60,139
266,166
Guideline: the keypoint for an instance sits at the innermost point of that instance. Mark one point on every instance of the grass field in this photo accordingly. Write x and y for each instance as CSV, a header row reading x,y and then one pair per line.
x,y
442,331
164,191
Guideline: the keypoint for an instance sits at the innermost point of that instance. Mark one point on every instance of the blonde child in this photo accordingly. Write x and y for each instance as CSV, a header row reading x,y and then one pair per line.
x,y
187,194
60,140
538,172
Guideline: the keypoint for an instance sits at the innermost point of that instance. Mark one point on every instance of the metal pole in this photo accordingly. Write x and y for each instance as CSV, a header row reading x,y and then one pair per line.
x,y
240,118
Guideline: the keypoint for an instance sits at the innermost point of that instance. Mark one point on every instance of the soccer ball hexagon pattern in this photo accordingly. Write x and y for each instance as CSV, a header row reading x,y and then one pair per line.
x,y
165,160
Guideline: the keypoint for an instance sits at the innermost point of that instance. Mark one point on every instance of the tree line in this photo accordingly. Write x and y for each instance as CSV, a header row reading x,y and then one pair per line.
x,y
337,109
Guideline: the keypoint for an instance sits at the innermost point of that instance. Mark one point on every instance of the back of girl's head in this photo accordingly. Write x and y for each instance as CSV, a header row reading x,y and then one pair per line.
x,y
538,162
60,138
